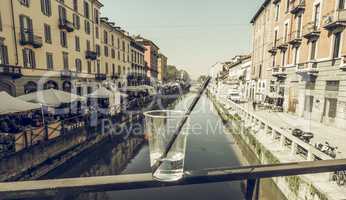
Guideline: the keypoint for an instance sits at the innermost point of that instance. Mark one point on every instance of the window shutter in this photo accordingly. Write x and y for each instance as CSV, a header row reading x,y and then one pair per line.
x,y
25,58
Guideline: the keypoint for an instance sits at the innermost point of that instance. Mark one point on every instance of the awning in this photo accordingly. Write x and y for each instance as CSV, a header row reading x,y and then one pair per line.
x,y
11,105
51,97
101,93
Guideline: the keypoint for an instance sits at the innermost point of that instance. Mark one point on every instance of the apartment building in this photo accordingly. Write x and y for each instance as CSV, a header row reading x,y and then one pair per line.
x,y
150,56
162,67
262,24
137,58
47,44
308,52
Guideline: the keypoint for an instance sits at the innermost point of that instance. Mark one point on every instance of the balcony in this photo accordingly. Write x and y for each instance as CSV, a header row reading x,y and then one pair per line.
x,y
27,37
297,6
92,55
66,25
100,77
279,72
272,48
308,70
282,44
67,75
343,63
276,1
311,31
295,38
14,72
335,20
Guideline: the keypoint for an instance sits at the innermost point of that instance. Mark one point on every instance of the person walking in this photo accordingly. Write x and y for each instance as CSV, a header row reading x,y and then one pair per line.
x,y
254,104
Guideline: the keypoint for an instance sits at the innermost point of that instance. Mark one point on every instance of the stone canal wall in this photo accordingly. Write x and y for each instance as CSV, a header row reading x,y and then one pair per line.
x,y
256,151
38,160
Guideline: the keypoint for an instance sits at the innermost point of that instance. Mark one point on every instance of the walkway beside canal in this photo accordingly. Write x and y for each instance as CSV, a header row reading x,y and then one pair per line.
x,y
269,135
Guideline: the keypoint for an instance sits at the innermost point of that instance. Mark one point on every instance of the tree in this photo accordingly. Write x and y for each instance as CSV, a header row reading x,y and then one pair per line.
x,y
202,78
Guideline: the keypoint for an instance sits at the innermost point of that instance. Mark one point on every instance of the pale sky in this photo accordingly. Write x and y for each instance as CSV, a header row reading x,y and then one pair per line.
x,y
193,34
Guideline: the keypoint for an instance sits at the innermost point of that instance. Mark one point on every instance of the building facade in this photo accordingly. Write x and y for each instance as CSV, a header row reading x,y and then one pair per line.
x,y
64,45
162,68
150,57
308,53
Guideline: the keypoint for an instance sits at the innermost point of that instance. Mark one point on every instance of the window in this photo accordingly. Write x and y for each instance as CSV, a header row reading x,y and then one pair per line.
x,y
78,65
76,21
317,15
89,66
25,24
65,60
98,50
296,51
332,86
336,46
86,10
97,33
283,59
333,105
25,2
98,67
112,40
106,68
277,11
313,50
49,60
29,58
46,7
88,45
287,6
342,4
309,100
75,5
62,13
0,23
47,34
87,27
77,43
63,39
106,51
3,54
97,16
113,53
299,26
286,33
105,37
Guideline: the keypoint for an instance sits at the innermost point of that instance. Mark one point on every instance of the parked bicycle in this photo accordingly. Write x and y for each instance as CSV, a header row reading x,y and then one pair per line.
x,y
339,177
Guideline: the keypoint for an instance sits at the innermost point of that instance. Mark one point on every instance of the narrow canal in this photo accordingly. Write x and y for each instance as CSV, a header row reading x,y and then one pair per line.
x,y
208,147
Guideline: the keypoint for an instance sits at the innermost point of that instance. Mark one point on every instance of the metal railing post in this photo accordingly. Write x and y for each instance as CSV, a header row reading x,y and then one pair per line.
x,y
252,189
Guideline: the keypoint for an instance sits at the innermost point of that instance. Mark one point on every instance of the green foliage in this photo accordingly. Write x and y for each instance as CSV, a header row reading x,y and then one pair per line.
x,y
173,74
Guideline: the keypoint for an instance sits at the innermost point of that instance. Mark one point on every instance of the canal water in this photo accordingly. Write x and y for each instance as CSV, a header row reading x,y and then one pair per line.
x,y
208,147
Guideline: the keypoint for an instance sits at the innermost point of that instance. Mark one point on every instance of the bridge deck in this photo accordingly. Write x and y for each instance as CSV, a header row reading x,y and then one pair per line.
x,y
44,188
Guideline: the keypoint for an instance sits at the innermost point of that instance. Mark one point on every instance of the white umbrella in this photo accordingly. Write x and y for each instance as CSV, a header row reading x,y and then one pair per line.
x,y
101,93
51,97
11,105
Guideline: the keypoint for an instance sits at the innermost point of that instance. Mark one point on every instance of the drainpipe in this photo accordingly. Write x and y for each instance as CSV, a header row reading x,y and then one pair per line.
x,y
14,33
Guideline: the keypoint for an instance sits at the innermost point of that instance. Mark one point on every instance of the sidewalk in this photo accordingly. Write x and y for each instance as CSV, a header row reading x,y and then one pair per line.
x,y
322,133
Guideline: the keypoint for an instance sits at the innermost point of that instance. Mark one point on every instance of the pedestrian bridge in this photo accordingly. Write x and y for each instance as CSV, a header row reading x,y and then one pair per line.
x,y
253,174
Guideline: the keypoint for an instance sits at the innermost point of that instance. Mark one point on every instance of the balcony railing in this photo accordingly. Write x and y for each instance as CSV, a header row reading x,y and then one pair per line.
x,y
297,6
100,77
282,44
67,25
335,19
273,47
67,74
279,72
9,70
343,63
311,30
308,70
27,37
115,76
92,55
295,38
